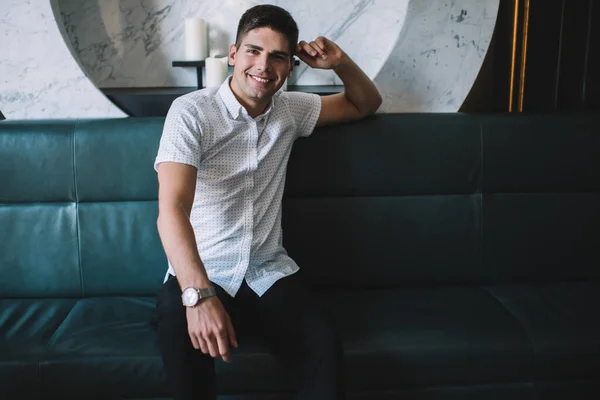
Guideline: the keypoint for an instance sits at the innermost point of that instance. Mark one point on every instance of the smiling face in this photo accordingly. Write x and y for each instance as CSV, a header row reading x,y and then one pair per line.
x,y
260,66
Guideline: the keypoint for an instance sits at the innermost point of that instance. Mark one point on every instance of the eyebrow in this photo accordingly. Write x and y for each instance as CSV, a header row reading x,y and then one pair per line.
x,y
275,53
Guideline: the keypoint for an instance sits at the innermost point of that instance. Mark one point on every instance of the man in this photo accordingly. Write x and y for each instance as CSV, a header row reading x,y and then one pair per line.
x,y
221,169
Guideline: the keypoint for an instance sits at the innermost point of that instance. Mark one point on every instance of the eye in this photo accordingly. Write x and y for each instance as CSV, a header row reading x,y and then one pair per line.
x,y
278,58
253,51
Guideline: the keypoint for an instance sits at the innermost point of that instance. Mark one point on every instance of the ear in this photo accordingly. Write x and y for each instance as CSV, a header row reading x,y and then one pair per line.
x,y
232,53
291,68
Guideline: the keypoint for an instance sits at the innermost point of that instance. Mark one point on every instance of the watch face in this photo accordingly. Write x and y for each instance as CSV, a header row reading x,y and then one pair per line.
x,y
189,297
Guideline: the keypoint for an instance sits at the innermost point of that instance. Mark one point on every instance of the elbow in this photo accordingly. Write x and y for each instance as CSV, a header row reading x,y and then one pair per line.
x,y
377,101
373,105
167,213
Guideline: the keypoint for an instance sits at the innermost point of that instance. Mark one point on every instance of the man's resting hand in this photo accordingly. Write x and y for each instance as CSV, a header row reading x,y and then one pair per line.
x,y
210,328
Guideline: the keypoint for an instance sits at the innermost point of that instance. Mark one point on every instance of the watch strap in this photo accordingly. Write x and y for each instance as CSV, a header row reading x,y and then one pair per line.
x,y
206,292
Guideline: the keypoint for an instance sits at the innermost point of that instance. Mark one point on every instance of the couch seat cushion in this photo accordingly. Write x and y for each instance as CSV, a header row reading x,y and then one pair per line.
x,y
563,321
105,345
409,337
26,328
393,338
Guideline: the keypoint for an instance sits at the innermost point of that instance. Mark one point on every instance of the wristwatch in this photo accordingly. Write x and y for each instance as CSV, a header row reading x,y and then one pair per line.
x,y
191,296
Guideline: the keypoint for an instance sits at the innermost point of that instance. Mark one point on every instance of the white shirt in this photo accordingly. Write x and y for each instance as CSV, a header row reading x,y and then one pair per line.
x,y
241,164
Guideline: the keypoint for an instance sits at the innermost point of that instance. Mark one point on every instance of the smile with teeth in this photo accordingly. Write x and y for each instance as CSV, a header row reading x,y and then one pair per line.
x,y
261,80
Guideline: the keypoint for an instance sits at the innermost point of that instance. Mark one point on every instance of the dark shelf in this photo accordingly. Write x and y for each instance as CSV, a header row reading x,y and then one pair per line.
x,y
148,91
188,63
155,101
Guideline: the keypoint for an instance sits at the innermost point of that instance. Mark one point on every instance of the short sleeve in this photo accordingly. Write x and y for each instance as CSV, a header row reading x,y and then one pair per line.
x,y
180,140
305,109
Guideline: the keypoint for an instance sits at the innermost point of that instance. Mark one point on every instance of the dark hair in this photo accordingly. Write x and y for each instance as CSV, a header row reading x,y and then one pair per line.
x,y
268,16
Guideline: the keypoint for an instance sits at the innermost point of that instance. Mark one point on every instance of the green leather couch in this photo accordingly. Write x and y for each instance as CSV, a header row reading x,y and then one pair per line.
x,y
459,255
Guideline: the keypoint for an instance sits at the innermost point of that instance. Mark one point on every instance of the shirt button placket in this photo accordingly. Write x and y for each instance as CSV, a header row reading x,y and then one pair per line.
x,y
252,158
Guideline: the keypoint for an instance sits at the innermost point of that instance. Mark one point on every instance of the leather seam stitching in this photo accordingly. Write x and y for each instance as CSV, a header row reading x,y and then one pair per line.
x,y
481,244
61,324
522,325
77,226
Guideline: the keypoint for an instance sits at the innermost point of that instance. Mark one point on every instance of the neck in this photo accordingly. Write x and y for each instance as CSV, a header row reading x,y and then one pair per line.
x,y
254,108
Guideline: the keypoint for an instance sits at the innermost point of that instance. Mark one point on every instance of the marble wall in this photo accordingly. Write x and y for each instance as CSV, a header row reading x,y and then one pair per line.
x,y
39,77
424,55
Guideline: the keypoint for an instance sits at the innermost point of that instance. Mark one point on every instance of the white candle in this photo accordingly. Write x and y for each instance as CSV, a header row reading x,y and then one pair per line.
x,y
216,71
196,39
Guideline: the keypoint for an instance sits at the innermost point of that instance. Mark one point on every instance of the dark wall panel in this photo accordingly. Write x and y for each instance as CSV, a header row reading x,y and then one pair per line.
x,y
592,83
573,55
543,54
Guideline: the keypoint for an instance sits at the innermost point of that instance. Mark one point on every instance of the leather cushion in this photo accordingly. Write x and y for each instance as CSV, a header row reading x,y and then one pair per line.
x,y
540,154
367,242
36,161
541,237
39,250
387,155
114,159
563,322
121,252
26,327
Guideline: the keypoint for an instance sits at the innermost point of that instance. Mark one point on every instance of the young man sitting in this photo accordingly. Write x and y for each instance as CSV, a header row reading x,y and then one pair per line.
x,y
221,169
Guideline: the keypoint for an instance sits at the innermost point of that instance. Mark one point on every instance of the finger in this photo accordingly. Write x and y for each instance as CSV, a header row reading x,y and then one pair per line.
x,y
322,43
303,55
316,47
194,340
320,52
203,345
223,347
304,48
231,332
213,349
308,49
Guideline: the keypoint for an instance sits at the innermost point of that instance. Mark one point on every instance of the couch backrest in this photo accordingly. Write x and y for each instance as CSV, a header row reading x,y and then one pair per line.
x,y
393,200
78,208
447,199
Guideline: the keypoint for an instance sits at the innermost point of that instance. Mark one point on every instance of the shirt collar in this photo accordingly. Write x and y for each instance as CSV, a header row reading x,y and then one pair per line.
x,y
233,105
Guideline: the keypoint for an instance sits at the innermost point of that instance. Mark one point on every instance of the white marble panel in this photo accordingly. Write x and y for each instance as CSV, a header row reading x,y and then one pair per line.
x,y
39,77
131,43
438,55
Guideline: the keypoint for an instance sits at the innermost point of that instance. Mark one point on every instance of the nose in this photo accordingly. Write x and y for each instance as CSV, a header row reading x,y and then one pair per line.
x,y
264,63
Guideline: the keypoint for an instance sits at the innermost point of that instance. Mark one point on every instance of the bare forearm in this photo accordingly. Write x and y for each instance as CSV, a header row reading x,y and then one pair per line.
x,y
359,89
177,236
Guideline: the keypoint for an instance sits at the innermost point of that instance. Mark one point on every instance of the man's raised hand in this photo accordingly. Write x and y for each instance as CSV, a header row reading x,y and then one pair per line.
x,y
321,53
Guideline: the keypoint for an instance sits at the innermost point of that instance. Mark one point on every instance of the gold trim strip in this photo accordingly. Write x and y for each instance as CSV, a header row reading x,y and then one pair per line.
x,y
524,55
514,55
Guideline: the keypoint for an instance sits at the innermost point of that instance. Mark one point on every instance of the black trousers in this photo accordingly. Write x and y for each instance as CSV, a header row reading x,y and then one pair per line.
x,y
289,318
